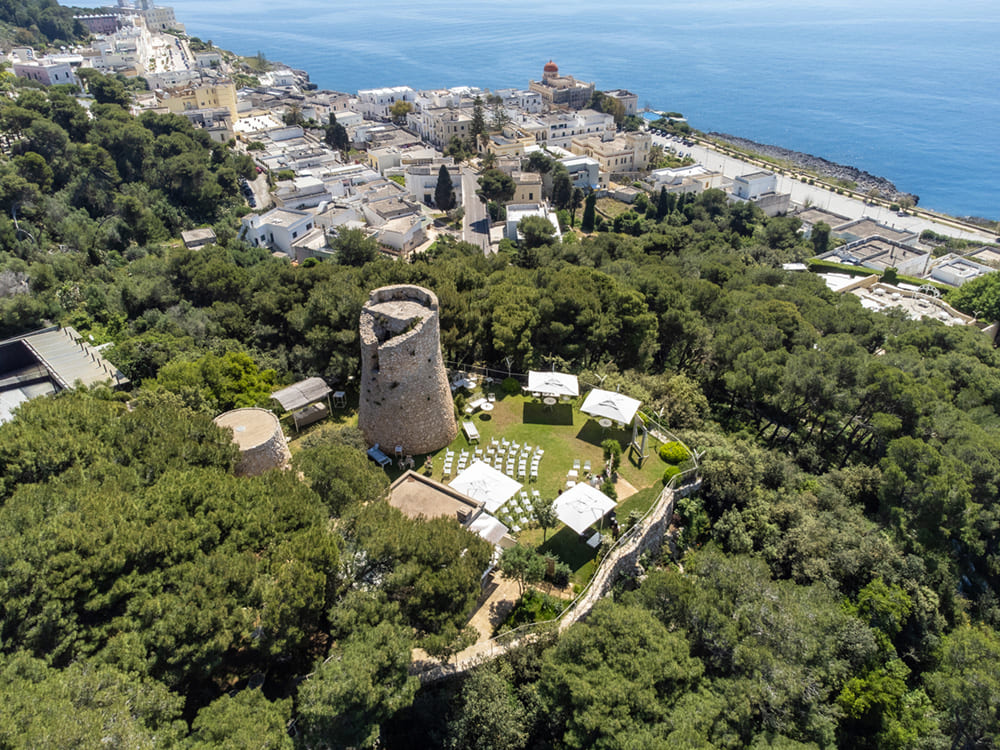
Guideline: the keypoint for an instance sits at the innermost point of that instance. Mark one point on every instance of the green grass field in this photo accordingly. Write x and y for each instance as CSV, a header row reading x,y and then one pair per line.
x,y
566,434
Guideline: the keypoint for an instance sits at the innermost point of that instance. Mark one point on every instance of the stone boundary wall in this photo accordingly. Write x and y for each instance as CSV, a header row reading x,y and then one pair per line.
x,y
645,536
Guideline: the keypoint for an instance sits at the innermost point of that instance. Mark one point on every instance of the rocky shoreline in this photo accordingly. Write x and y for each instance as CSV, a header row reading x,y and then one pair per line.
x,y
864,180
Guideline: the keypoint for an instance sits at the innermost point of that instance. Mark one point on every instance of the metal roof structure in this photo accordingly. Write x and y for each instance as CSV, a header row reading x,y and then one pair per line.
x,y
302,394
47,361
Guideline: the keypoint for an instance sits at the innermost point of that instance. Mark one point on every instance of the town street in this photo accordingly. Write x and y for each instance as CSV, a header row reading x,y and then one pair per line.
x,y
476,229
818,196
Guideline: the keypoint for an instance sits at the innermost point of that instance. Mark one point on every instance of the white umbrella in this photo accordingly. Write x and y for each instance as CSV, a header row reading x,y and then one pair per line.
x,y
488,528
611,405
487,485
582,505
553,383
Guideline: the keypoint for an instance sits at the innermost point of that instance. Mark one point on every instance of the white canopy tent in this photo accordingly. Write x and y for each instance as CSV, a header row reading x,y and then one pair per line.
x,y
610,405
484,483
556,384
488,528
582,505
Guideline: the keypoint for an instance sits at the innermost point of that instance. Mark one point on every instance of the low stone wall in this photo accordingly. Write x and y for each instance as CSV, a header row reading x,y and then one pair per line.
x,y
645,536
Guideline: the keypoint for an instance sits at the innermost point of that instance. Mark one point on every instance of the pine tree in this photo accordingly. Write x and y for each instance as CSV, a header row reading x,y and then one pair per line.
x,y
478,126
444,191
662,206
589,213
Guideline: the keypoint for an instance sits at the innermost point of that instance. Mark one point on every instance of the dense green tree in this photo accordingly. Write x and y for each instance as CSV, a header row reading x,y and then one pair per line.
x,y
363,682
612,679
336,134
352,247
444,190
496,186
489,714
247,719
966,686
545,514
522,564
589,213
562,187
820,237
341,476
84,705
477,128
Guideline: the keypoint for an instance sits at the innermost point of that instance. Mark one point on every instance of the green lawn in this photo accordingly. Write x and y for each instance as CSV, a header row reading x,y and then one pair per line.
x,y
566,434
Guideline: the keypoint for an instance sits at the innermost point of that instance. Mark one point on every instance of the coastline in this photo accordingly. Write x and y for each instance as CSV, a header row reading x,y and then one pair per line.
x,y
865,181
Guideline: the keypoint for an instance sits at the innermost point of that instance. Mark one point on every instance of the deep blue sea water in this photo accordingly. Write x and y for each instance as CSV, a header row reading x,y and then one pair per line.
x,y
908,90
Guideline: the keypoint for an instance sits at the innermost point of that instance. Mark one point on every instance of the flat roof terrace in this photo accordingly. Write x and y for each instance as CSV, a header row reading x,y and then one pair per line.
x,y
417,496
862,228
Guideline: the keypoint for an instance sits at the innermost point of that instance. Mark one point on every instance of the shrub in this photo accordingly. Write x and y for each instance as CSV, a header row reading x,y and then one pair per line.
x,y
674,452
560,575
510,385
670,472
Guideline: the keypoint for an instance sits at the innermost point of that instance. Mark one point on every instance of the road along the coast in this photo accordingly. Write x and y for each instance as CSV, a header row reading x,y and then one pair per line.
x,y
821,197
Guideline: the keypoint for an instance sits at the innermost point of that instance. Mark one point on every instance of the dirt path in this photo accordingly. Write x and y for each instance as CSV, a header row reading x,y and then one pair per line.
x,y
624,488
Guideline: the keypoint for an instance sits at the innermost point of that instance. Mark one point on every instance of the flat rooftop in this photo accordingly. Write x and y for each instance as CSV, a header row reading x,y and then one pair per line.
x,y
881,253
418,496
283,217
816,215
862,228
986,255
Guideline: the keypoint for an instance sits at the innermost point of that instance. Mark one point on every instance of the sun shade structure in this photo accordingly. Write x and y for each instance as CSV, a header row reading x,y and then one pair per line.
x,y
581,506
488,528
610,405
484,483
553,384
302,394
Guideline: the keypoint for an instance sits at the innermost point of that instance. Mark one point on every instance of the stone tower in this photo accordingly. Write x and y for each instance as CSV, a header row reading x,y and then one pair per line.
x,y
405,398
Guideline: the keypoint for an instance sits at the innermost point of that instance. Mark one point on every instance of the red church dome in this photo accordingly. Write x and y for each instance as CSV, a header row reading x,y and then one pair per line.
x,y
551,67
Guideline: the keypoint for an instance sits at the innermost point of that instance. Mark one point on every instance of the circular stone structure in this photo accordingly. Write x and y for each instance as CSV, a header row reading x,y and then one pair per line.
x,y
405,399
259,436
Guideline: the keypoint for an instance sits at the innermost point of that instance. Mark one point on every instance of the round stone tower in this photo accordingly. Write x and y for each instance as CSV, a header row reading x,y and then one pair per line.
x,y
260,438
405,398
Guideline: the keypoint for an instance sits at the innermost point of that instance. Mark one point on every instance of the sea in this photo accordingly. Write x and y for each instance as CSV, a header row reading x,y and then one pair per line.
x,y
908,90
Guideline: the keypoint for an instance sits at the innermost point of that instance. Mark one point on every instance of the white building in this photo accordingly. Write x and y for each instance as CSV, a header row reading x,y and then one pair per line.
x,y
421,181
301,192
277,229
584,171
629,100
559,129
955,270
522,100
377,103
518,211
752,186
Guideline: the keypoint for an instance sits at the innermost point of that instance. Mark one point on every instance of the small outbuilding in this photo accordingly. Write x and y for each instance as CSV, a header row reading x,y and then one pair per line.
x,y
305,401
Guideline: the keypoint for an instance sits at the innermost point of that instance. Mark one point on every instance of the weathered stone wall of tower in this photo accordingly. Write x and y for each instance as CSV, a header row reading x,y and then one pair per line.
x,y
405,397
